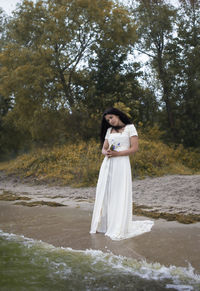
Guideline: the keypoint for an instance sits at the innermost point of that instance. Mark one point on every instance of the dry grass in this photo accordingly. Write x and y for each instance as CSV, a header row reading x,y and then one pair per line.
x,y
78,164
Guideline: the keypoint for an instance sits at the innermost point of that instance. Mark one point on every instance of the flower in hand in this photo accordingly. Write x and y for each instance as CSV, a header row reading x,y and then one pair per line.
x,y
112,147
112,150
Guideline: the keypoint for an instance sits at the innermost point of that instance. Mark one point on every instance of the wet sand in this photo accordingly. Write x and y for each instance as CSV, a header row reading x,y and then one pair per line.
x,y
169,243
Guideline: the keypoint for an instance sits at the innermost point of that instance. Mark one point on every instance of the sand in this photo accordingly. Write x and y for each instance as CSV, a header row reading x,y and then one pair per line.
x,y
169,243
174,193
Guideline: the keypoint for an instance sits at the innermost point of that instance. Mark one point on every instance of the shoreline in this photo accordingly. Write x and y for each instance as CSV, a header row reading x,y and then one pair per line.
x,y
168,243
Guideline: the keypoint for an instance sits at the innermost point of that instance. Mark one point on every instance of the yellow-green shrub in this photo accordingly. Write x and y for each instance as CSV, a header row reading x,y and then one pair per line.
x,y
78,164
69,164
188,157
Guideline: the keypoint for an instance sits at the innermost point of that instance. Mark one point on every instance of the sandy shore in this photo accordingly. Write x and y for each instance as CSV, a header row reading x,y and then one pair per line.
x,y
169,243
173,194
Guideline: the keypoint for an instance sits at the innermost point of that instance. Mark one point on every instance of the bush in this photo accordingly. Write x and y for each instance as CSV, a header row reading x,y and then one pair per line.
x,y
78,164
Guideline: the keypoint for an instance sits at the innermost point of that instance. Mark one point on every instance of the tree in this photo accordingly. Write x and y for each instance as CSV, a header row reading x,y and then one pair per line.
x,y
155,21
7,142
187,88
49,44
171,39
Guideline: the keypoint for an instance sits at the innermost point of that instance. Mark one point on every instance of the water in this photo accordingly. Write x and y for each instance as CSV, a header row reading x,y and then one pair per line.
x,y
27,264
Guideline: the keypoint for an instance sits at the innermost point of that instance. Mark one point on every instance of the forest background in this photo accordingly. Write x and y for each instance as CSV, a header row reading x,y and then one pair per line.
x,y
63,62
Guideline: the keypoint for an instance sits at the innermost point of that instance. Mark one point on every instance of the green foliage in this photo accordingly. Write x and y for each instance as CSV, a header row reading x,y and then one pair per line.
x,y
171,38
43,75
155,29
187,89
64,62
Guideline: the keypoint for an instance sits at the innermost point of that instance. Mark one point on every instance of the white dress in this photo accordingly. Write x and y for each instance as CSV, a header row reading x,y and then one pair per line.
x,y
112,212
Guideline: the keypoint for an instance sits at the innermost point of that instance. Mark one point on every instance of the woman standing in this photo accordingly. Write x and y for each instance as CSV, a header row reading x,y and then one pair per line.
x,y
112,212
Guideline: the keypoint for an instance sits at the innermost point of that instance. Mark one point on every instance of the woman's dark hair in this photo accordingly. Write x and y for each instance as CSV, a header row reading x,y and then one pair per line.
x,y
105,125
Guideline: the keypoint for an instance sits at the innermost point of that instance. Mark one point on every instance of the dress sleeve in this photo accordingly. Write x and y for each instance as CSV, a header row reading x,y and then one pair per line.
x,y
132,130
107,133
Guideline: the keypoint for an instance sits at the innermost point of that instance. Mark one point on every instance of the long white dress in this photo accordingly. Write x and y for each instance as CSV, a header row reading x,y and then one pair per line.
x,y
112,213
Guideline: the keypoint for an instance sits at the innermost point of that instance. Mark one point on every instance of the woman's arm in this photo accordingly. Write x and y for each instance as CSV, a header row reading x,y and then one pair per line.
x,y
133,149
105,147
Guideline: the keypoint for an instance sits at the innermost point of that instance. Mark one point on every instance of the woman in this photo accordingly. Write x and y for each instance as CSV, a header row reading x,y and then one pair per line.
x,y
112,212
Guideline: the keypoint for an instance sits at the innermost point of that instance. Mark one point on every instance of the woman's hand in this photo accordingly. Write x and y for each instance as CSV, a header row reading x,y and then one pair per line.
x,y
106,151
111,154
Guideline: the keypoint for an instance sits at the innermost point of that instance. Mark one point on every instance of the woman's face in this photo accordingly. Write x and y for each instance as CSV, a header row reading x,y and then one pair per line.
x,y
112,119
